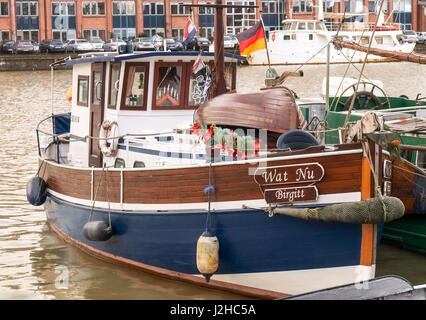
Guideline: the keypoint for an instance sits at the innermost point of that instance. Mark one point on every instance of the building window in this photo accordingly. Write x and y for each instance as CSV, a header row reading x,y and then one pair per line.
x,y
302,6
4,35
123,8
114,84
179,9
153,8
206,32
27,8
239,19
4,8
135,86
205,10
91,33
177,33
63,20
82,90
93,8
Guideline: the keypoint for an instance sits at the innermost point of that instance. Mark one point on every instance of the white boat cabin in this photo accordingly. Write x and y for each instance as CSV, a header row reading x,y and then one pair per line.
x,y
151,97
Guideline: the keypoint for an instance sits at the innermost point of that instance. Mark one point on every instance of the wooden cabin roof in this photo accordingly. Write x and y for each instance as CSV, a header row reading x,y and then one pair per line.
x,y
272,109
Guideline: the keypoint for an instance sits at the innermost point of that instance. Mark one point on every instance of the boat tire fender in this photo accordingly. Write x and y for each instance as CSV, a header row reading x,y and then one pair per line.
x,y
296,140
97,231
36,191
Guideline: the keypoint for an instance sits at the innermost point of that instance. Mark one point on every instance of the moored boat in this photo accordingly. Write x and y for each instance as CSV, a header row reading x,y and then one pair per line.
x,y
405,119
130,177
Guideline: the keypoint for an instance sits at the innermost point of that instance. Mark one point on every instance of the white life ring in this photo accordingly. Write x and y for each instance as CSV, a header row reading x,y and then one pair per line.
x,y
108,129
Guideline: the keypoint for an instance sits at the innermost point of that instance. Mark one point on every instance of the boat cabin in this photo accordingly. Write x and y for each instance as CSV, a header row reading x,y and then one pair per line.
x,y
142,93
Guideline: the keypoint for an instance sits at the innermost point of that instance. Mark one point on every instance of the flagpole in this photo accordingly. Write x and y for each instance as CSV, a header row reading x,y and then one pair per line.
x,y
266,42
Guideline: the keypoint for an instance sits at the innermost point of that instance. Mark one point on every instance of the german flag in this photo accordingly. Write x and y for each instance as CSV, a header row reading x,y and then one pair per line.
x,y
252,39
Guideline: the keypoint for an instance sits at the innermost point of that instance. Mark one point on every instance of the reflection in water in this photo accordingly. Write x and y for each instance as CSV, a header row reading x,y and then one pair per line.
x,y
36,264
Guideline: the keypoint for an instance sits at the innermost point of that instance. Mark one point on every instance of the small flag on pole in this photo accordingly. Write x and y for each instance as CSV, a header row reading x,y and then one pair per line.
x,y
189,31
198,65
252,39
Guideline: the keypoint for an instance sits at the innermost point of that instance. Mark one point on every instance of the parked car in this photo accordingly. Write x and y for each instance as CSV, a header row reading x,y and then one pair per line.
x,y
198,43
97,43
24,46
230,42
421,37
36,46
407,36
173,45
50,45
113,44
142,44
78,45
9,46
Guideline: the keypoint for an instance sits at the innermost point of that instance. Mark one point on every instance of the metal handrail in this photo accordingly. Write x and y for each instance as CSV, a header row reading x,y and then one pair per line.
x,y
52,134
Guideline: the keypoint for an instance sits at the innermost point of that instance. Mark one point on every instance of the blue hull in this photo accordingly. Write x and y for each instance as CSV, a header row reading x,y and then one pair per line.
x,y
249,240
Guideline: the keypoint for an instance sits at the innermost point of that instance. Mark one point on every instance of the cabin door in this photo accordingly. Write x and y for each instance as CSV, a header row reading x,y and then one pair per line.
x,y
96,112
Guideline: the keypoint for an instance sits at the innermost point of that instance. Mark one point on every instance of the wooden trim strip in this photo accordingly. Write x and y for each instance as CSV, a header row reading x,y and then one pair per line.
x,y
367,241
168,274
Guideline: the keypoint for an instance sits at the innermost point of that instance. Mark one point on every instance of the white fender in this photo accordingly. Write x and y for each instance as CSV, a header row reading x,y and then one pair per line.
x,y
108,129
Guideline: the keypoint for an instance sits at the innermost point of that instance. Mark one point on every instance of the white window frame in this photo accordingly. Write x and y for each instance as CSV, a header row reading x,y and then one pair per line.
x,y
94,5
181,10
20,8
126,8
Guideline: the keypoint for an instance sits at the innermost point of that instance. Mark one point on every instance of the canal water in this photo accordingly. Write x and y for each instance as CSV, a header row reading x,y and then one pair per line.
x,y
36,264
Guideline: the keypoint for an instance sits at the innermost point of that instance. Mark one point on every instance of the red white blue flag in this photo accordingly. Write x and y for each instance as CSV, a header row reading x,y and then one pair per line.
x,y
198,65
189,31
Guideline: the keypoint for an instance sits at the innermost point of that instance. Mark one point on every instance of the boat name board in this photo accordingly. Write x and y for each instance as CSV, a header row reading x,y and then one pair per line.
x,y
291,195
289,174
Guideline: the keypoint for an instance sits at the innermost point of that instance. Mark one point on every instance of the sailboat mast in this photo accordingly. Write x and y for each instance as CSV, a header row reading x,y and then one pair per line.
x,y
219,54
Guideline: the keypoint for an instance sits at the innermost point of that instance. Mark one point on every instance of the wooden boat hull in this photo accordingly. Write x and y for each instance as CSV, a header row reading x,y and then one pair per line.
x,y
158,215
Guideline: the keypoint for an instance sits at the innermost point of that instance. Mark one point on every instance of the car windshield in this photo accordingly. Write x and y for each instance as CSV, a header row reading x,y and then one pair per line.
x,y
170,41
97,40
25,42
410,32
10,42
56,42
226,38
82,41
203,39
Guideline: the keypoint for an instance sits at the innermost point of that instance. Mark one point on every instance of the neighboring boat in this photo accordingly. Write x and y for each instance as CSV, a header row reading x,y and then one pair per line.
x,y
303,41
406,118
382,288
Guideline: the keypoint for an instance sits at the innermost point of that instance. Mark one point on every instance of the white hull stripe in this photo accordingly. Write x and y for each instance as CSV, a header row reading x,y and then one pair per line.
x,y
223,205
301,281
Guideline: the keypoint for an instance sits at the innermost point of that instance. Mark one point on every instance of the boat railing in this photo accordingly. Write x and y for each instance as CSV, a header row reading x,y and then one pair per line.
x,y
60,126
360,26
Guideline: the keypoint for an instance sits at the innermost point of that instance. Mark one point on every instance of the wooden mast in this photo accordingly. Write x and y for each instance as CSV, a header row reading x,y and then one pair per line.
x,y
219,52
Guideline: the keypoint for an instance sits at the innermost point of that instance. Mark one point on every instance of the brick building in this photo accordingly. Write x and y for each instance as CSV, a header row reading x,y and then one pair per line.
x,y
65,19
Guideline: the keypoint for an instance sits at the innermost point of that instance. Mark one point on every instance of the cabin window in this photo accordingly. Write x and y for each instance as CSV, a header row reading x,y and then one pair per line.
x,y
421,159
302,26
379,40
364,40
293,25
97,88
168,85
82,90
139,164
119,163
311,26
311,36
286,37
319,26
293,36
113,84
135,87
